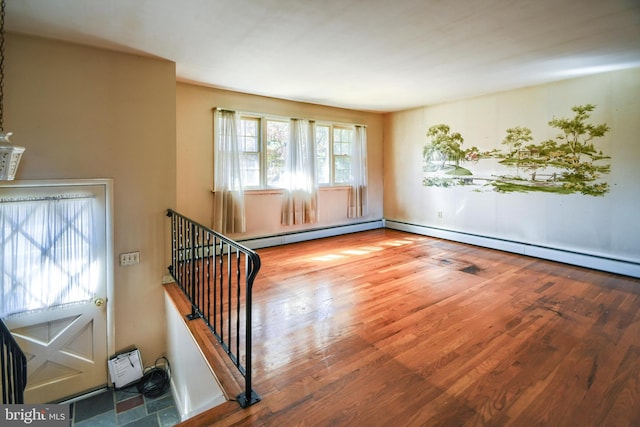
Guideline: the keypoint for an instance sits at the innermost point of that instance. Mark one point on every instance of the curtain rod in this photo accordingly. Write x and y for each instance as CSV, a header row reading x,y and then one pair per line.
x,y
253,113
230,110
46,198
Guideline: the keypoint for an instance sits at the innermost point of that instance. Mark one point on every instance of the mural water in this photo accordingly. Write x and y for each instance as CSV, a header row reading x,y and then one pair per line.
x,y
569,163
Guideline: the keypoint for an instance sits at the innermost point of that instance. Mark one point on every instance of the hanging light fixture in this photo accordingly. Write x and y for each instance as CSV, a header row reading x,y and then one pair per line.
x,y
10,155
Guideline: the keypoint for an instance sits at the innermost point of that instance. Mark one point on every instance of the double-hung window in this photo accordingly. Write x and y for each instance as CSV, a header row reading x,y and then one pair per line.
x,y
323,153
249,141
333,153
263,142
342,140
277,133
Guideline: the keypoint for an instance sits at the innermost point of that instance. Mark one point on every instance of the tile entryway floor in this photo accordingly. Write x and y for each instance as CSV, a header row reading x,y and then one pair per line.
x,y
125,407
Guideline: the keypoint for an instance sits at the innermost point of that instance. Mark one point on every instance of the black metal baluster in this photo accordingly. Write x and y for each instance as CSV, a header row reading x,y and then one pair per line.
x,y
192,275
229,295
206,263
4,365
183,256
221,285
238,284
172,266
13,365
215,278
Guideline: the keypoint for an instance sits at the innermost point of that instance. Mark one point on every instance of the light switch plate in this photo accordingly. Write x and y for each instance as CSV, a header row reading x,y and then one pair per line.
x,y
129,258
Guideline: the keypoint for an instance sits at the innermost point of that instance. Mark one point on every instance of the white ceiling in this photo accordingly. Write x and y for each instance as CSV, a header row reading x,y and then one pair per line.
x,y
373,55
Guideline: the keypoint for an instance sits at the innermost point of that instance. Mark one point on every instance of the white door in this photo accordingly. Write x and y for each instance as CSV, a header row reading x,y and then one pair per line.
x,y
55,256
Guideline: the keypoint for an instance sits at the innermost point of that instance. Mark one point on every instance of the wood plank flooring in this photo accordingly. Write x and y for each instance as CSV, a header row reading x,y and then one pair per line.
x,y
386,328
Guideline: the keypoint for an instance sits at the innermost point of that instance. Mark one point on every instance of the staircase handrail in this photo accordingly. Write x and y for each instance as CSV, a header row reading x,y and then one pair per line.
x,y
204,283
13,364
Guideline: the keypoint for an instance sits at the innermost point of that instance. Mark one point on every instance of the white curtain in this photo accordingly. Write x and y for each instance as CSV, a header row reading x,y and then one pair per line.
x,y
300,181
47,252
358,184
228,208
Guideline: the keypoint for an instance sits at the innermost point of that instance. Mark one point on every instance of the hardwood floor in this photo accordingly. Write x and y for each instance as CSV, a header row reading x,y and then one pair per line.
x,y
386,328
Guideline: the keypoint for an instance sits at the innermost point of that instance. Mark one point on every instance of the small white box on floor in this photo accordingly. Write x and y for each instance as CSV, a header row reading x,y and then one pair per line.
x,y
125,368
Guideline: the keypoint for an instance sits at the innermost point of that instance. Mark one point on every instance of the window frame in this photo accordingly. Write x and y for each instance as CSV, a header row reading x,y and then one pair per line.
x,y
331,157
265,165
342,155
243,152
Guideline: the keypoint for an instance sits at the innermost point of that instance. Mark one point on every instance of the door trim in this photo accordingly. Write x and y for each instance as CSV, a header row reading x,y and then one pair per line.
x,y
107,183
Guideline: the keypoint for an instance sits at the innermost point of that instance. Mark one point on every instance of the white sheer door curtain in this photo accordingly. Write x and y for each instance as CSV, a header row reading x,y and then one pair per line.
x,y
47,252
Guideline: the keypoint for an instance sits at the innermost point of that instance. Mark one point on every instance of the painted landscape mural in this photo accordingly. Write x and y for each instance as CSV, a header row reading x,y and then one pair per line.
x,y
568,163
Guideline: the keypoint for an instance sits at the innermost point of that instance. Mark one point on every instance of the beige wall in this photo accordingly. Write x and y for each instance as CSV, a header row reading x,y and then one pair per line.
x,y
91,113
195,159
604,225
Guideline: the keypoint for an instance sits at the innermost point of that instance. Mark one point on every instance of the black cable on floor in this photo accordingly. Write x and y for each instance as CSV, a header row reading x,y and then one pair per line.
x,y
156,380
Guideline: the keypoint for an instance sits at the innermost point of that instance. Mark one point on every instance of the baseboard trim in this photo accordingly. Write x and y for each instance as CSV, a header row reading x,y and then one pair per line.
x,y
611,265
301,236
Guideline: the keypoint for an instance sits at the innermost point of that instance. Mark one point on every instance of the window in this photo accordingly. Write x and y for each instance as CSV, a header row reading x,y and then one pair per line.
x,y
342,139
277,138
262,163
263,143
249,139
323,159
333,145
49,250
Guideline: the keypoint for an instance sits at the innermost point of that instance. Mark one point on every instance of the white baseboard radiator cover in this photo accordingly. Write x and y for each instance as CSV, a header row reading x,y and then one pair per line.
x,y
611,265
301,236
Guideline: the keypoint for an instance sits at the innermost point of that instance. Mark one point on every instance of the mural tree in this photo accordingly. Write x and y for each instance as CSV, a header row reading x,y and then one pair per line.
x,y
516,138
570,160
445,146
573,150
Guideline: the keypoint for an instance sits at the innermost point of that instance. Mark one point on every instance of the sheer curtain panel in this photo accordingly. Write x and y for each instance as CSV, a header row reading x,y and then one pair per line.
x,y
228,209
300,181
358,184
47,252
